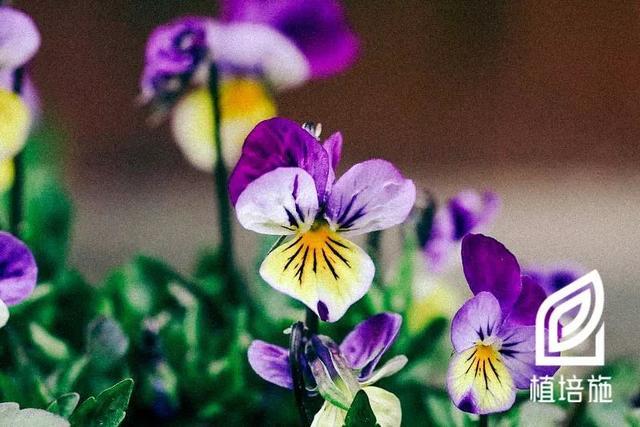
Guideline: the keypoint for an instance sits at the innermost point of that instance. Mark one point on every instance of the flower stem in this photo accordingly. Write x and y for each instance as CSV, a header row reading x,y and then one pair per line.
x,y
221,178
296,350
311,322
17,190
483,421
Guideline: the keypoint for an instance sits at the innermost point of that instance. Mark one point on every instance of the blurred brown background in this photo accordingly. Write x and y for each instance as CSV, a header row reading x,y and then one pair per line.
x,y
538,100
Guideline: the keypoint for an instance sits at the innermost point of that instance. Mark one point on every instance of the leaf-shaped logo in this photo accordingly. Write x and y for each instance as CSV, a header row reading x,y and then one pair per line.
x,y
583,302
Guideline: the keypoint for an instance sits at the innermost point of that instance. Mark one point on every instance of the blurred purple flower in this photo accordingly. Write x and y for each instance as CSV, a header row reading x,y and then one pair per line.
x,y
317,27
283,42
464,213
19,38
554,277
284,184
493,334
339,372
18,273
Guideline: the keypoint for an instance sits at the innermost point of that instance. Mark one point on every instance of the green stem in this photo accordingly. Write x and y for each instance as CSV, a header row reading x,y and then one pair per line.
x,y
311,322
296,352
221,178
483,421
17,190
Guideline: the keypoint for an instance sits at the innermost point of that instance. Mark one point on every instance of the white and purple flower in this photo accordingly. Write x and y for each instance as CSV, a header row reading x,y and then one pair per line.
x,y
493,334
284,184
339,372
256,46
19,42
18,273
466,212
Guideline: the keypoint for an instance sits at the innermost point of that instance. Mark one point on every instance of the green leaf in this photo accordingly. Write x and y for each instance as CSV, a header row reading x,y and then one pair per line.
x,y
48,345
47,222
360,414
64,405
106,410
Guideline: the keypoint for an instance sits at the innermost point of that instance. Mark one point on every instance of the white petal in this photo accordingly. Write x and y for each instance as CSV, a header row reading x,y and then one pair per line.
x,y
329,416
253,46
385,406
370,196
391,367
281,202
12,417
4,314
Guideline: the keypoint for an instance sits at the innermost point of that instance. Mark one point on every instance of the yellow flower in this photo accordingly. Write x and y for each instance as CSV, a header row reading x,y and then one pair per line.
x,y
244,103
15,121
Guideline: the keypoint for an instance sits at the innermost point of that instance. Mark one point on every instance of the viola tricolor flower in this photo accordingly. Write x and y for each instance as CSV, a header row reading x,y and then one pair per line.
x,y
19,41
18,273
256,46
493,334
466,212
339,372
554,278
284,184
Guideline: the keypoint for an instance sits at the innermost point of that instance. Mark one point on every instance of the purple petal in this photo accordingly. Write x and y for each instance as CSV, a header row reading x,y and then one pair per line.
x,y
526,306
470,209
369,340
19,38
518,352
479,318
372,195
317,27
489,266
278,143
333,146
18,271
173,54
271,363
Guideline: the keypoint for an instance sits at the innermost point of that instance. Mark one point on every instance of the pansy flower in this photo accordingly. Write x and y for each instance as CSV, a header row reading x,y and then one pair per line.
x,y
19,41
493,333
257,46
18,273
554,277
284,184
338,372
466,212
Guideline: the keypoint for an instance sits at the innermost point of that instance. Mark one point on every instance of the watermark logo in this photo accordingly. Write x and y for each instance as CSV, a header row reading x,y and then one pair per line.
x,y
580,305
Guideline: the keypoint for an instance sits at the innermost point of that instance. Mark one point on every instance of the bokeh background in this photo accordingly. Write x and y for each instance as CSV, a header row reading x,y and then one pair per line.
x,y
538,100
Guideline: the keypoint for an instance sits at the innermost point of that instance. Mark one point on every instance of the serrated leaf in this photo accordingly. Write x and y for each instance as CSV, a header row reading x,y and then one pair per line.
x,y
360,414
64,405
106,410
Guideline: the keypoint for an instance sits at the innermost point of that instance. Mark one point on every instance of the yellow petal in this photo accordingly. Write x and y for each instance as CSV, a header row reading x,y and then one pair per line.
x,y
244,103
15,121
320,268
385,406
479,382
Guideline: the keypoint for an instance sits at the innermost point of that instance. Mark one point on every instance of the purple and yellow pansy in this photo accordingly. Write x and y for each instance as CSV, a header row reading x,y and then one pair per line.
x,y
493,333
285,184
19,42
338,372
257,46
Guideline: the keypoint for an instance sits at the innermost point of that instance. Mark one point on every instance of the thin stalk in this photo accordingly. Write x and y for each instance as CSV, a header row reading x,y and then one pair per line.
x,y
17,190
311,322
221,178
296,352
483,421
